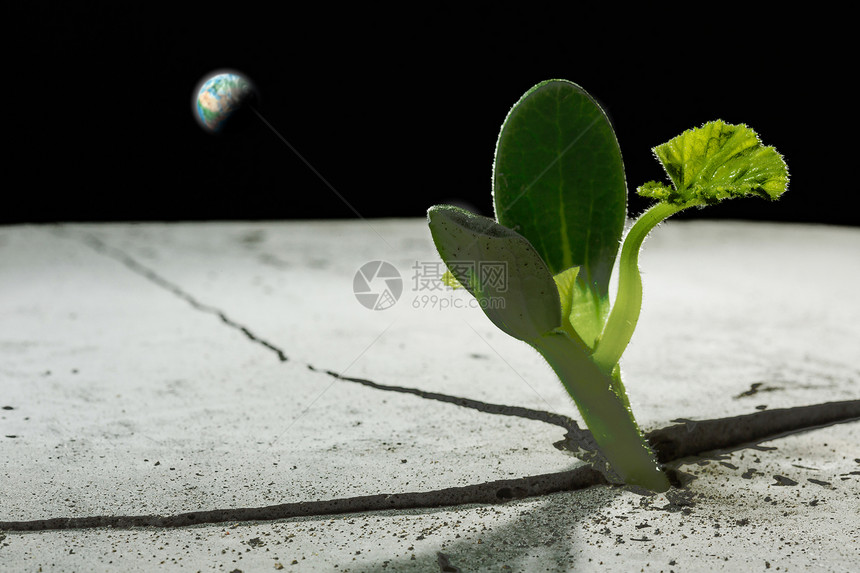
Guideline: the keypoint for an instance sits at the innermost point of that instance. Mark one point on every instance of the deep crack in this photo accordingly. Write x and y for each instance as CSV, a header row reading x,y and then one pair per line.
x,y
699,440
727,434
549,417
484,493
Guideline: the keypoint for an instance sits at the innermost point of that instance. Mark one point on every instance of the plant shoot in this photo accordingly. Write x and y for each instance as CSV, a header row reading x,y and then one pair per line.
x,y
560,199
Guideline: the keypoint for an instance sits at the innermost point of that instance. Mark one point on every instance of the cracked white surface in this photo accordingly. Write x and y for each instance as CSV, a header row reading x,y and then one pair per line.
x,y
109,373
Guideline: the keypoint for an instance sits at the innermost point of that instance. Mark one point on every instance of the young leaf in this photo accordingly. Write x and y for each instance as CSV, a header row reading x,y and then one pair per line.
x,y
500,268
558,180
565,281
581,313
706,165
585,313
715,162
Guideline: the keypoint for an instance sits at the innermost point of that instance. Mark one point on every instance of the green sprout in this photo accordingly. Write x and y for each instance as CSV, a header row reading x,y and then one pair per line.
x,y
560,198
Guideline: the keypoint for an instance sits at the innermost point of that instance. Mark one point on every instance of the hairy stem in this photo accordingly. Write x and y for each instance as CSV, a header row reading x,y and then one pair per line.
x,y
625,312
605,411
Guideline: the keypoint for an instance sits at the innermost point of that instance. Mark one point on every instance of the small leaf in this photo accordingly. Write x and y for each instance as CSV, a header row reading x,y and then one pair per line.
x,y
565,281
500,268
715,162
582,315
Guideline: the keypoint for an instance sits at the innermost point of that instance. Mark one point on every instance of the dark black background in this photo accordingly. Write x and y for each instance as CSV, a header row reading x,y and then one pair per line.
x,y
396,110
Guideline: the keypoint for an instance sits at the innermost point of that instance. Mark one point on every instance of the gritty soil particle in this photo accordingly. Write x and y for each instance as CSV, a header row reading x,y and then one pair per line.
x,y
782,480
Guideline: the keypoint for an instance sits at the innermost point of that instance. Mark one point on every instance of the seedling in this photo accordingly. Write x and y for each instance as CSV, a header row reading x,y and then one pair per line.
x,y
560,201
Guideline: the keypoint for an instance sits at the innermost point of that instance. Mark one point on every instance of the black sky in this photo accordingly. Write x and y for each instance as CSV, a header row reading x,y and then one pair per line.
x,y
396,110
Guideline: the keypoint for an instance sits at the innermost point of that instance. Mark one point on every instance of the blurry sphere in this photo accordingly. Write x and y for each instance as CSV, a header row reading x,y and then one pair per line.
x,y
222,101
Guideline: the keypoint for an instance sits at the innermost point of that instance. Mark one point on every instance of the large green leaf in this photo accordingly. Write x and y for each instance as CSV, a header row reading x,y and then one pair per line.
x,y
558,180
501,270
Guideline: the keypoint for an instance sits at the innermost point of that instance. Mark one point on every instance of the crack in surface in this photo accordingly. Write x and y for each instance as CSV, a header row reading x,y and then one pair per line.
x,y
561,420
103,248
576,440
483,493
673,444
692,438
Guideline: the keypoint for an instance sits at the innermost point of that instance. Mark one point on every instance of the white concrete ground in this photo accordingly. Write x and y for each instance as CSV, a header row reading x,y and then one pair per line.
x,y
165,369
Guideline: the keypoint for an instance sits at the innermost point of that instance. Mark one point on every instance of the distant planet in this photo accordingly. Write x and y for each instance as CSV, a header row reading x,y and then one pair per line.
x,y
222,101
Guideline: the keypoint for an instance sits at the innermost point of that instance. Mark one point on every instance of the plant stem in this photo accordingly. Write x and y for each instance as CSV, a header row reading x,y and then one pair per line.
x,y
606,413
625,312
